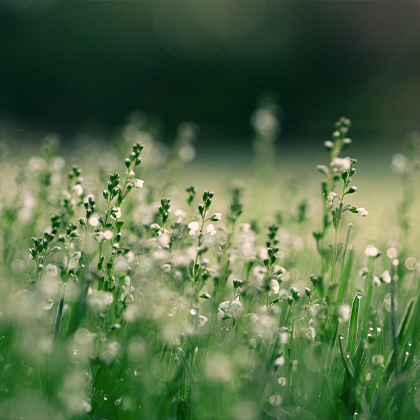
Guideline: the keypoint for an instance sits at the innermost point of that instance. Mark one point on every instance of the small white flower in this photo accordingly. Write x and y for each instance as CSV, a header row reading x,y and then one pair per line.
x,y
202,320
236,305
164,240
280,361
99,300
166,268
371,251
195,229
138,183
116,212
49,304
361,211
51,270
229,308
274,284
216,217
283,337
331,196
78,189
211,230
375,281
127,296
89,198
341,164
386,277
155,227
93,221
344,312
108,235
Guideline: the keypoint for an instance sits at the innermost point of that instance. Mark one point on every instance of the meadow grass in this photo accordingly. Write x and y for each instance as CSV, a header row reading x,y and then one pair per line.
x,y
149,296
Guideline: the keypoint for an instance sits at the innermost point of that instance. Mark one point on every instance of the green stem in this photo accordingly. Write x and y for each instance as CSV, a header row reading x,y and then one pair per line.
x,y
368,298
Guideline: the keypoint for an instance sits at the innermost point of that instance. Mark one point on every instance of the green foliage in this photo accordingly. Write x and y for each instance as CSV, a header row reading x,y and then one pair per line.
x,y
136,306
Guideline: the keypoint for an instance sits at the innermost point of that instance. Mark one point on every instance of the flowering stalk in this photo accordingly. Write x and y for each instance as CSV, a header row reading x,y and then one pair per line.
x,y
236,209
341,169
120,193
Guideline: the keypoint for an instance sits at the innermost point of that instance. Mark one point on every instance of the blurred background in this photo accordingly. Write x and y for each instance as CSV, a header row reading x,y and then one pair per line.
x,y
84,66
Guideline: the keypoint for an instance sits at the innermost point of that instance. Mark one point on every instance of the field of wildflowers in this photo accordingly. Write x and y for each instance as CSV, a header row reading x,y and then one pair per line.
x,y
143,298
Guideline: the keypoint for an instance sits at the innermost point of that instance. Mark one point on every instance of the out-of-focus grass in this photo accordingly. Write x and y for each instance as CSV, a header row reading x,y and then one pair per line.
x,y
176,322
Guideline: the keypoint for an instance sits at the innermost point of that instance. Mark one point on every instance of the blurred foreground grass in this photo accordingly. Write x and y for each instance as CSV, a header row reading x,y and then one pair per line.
x,y
208,306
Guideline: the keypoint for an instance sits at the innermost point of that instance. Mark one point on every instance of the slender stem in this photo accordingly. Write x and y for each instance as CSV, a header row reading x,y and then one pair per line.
x,y
394,317
59,314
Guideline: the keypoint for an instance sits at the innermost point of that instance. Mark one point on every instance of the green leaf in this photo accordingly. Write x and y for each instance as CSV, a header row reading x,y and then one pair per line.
x,y
353,326
404,332
344,279
346,362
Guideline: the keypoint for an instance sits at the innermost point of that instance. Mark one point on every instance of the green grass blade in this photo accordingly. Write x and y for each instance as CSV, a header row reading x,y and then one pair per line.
x,y
353,326
344,281
346,362
403,333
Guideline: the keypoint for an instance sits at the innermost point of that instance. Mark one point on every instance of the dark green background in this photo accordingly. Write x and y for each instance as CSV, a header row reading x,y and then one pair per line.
x,y
70,66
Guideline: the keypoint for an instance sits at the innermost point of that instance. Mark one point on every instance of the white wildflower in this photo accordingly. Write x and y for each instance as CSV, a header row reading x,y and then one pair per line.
x,y
341,164
375,281
116,212
361,211
344,312
331,196
93,221
229,309
280,361
386,277
108,235
283,337
372,251
156,228
202,320
51,270
49,304
89,198
195,229
99,300
210,230
164,240
274,285
77,189
138,183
